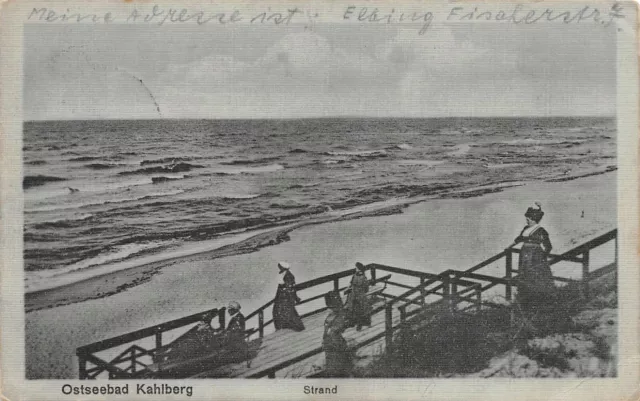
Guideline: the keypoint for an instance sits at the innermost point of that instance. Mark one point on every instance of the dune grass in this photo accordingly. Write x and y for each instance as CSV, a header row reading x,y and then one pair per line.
x,y
439,343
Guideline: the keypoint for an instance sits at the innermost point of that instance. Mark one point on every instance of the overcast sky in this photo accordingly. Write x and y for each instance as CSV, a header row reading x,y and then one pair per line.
x,y
129,71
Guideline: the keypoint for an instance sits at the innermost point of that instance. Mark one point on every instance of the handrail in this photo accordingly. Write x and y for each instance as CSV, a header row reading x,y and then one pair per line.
x,y
304,285
324,279
446,275
486,262
604,238
399,270
482,277
447,281
569,258
432,277
438,277
255,312
146,332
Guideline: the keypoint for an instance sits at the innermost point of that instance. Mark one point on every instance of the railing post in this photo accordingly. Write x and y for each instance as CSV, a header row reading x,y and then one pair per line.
x,y
478,292
158,338
336,284
446,290
82,367
403,313
221,317
133,361
389,327
158,345
373,274
261,323
585,274
454,294
508,254
423,291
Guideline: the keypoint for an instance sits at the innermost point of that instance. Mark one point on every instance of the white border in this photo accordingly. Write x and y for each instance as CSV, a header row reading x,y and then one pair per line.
x,y
14,386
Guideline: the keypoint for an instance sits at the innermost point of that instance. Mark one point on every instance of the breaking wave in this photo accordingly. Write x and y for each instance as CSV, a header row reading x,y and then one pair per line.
x,y
243,162
64,223
174,168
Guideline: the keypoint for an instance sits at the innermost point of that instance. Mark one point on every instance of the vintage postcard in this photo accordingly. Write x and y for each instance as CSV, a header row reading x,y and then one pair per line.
x,y
319,200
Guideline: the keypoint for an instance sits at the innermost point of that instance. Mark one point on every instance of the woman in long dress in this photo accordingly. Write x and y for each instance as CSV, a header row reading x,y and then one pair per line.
x,y
285,315
535,280
358,305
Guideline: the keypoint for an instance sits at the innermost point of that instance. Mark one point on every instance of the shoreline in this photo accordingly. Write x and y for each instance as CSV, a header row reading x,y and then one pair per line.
x,y
117,277
139,270
427,236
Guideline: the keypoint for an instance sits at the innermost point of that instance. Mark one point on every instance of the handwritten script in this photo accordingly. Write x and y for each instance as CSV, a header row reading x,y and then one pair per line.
x,y
515,14
518,15
160,16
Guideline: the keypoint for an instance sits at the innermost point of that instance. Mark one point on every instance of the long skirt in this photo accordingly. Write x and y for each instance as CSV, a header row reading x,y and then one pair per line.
x,y
536,288
338,357
358,313
285,316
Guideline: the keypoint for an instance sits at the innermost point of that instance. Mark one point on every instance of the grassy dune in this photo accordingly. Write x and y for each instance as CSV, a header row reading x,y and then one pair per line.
x,y
575,338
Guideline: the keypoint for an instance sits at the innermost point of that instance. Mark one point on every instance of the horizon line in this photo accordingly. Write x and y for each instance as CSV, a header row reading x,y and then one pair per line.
x,y
315,118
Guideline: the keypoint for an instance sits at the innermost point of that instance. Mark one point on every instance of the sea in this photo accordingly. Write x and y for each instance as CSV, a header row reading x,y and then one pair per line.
x,y
99,192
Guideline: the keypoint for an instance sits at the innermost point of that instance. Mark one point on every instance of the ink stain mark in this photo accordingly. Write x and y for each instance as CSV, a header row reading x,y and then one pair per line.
x,y
146,88
96,66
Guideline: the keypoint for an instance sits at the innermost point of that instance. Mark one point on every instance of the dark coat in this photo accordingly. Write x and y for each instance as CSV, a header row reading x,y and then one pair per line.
x,y
203,340
338,356
236,324
358,305
535,280
289,279
285,315
234,335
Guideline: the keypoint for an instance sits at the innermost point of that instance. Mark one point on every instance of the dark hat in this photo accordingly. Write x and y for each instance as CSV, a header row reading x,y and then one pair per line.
x,y
360,266
535,212
333,300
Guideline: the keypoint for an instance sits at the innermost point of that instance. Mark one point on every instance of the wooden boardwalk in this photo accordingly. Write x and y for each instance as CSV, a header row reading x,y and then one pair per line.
x,y
290,354
284,345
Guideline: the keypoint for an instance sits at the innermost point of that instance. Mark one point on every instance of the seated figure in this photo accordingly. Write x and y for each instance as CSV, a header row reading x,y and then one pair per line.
x,y
234,335
204,339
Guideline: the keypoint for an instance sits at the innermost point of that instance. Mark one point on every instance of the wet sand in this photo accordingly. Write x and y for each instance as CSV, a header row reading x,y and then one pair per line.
x,y
431,236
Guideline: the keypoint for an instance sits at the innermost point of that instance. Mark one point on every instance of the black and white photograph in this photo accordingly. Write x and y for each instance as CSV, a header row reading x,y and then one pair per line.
x,y
388,194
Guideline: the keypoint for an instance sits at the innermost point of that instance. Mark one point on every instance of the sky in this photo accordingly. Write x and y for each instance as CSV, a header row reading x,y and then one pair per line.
x,y
220,71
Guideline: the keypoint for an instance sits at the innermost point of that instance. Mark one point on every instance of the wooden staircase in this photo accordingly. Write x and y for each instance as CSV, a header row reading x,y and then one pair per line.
x,y
286,353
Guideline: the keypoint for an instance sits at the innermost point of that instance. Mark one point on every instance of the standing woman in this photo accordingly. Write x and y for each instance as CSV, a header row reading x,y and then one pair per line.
x,y
534,280
357,303
285,315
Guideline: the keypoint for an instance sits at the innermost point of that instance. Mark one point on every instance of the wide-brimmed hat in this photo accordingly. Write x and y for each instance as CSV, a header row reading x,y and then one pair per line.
x,y
535,212
283,266
234,305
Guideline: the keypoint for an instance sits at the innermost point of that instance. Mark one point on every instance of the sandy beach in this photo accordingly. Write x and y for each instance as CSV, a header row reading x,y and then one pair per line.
x,y
432,236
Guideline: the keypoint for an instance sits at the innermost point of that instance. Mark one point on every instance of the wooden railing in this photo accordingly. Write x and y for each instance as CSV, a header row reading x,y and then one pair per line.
x,y
481,283
259,313
131,356
451,288
446,285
